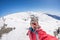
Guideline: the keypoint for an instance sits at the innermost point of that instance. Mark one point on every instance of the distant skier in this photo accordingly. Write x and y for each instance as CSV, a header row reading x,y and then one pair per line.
x,y
36,33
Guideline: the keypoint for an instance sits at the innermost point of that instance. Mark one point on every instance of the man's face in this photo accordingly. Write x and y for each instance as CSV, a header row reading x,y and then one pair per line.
x,y
34,24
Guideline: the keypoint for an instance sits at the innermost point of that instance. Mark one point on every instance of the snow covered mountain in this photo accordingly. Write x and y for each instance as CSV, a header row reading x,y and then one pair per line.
x,y
21,21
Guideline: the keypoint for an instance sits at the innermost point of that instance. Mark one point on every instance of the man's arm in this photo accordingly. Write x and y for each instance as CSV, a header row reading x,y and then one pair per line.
x,y
44,36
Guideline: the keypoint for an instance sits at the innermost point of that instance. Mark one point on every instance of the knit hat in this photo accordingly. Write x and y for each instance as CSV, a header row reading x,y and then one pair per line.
x,y
34,19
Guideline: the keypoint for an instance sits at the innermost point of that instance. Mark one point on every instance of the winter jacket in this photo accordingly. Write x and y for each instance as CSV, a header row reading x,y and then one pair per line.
x,y
39,35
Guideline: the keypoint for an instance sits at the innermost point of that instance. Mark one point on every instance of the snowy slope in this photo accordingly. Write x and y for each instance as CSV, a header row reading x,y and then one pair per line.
x,y
17,20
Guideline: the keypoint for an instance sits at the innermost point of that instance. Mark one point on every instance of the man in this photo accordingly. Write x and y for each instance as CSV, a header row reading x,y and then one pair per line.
x,y
36,33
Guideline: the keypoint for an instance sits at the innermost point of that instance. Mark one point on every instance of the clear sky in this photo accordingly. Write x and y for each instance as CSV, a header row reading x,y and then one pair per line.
x,y
14,6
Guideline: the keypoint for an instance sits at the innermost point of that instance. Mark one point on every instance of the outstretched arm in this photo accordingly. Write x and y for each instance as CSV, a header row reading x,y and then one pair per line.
x,y
44,36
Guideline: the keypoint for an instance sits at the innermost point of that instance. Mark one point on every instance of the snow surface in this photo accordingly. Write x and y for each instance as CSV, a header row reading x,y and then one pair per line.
x,y
17,20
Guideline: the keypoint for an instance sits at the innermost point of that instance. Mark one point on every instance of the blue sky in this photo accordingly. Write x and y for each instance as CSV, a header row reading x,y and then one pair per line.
x,y
14,6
